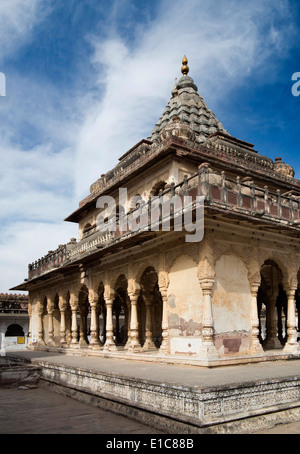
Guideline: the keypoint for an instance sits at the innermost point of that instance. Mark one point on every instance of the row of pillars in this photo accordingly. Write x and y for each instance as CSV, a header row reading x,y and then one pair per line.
x,y
132,345
272,340
208,350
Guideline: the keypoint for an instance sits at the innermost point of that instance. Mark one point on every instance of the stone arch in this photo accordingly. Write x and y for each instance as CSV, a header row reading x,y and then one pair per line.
x,y
184,306
157,187
281,261
45,317
56,320
87,228
231,304
101,314
120,310
84,314
272,305
136,201
150,308
14,330
68,316
140,268
242,253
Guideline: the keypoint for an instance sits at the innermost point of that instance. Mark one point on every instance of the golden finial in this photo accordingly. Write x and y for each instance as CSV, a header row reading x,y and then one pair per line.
x,y
185,69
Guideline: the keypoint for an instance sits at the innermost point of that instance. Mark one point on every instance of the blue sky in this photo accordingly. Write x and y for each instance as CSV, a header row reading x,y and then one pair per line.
x,y
87,79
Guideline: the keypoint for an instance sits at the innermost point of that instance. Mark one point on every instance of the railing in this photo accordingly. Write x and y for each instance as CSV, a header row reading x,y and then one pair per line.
x,y
95,240
232,195
247,198
53,259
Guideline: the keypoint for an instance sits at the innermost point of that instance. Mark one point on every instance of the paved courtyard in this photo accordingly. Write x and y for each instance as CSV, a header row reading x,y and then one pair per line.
x,y
42,411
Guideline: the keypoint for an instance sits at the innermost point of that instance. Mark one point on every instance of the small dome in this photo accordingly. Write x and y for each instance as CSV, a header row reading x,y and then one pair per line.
x,y
284,169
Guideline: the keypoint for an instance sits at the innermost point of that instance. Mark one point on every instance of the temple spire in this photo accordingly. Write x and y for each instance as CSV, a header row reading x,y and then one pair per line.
x,y
185,69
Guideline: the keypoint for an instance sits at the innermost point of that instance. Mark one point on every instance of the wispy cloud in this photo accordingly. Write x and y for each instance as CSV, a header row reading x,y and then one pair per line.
x,y
225,42
17,21
54,143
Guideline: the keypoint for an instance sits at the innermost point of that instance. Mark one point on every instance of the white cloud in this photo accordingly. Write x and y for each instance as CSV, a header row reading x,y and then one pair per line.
x,y
36,181
22,244
17,19
224,41
35,198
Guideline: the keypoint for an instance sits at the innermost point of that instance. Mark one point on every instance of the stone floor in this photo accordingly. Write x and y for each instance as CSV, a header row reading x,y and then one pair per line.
x,y
42,411
39,410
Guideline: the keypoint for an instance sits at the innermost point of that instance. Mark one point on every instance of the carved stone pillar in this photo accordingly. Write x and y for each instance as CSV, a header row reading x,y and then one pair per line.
x,y
41,341
149,344
109,343
83,327
94,342
164,348
126,346
256,346
291,345
74,326
30,323
272,341
134,345
50,309
208,349
62,308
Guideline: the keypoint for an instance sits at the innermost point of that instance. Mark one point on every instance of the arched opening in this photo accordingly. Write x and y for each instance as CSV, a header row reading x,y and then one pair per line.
x,y
272,307
14,330
136,202
88,229
157,188
45,317
101,315
56,321
68,319
121,322
150,310
84,310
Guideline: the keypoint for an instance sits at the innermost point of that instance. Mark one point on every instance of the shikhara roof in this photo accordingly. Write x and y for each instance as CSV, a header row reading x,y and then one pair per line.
x,y
187,104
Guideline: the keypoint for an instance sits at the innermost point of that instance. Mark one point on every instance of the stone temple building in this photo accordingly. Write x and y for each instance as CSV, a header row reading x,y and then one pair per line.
x,y
188,251
14,322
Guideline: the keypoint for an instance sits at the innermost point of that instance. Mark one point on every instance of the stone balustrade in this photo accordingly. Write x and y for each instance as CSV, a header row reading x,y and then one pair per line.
x,y
235,196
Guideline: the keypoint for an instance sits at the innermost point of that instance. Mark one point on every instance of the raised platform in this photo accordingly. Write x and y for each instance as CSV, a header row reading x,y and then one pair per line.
x,y
178,398
155,356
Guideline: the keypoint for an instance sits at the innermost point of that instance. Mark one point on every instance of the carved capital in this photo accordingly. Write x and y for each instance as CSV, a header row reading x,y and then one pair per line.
x,y
62,303
206,285
93,298
133,287
50,305
74,302
254,288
